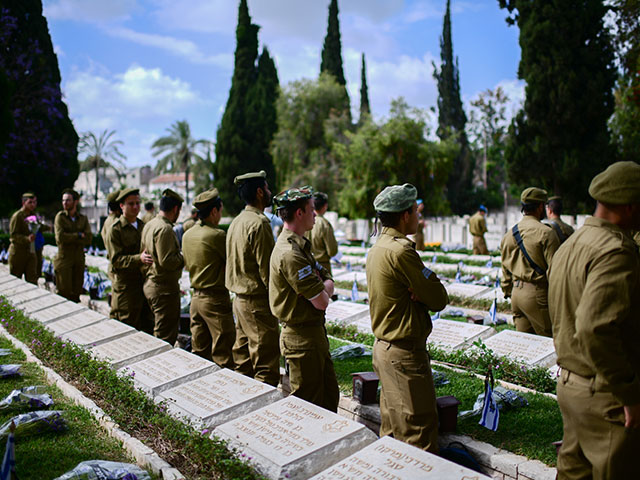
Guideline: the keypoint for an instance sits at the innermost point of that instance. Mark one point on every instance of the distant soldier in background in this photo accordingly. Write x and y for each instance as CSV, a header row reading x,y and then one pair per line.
x,y
191,221
128,303
73,233
526,255
204,248
22,253
419,236
249,246
114,213
554,210
149,212
161,286
323,241
477,228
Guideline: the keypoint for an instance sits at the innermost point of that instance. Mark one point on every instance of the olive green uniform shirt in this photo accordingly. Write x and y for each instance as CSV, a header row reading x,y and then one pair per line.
x,y
477,225
594,300
108,222
249,246
204,250
295,279
187,224
540,241
394,267
147,217
19,232
323,242
124,249
160,241
563,230
70,245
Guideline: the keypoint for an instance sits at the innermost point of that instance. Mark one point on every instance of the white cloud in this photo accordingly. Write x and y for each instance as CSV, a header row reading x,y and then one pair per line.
x,y
57,49
89,10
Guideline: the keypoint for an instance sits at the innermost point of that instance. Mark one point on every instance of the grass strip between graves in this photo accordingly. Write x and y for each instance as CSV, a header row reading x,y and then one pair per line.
x,y
527,431
51,454
192,452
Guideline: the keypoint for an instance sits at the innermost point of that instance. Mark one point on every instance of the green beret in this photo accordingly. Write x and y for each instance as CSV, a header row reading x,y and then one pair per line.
x,y
126,192
28,195
113,196
395,198
170,193
240,179
533,195
619,184
286,198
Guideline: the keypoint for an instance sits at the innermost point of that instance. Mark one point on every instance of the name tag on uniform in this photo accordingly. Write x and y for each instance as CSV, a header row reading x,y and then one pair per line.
x,y
426,272
304,272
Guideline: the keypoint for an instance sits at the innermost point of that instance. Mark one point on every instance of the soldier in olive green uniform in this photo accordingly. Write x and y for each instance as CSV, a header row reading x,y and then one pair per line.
x,y
203,246
114,213
149,212
323,241
477,228
73,233
526,255
128,303
191,221
554,210
299,292
22,253
161,286
249,246
401,293
594,299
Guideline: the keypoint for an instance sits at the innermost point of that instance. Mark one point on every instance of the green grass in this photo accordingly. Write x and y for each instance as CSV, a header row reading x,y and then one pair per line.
x,y
526,431
52,454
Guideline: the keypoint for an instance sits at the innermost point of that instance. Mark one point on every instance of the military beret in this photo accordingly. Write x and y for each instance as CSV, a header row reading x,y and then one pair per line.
x,y
555,197
533,195
124,193
28,195
619,184
113,196
71,192
395,198
284,199
240,179
202,200
170,193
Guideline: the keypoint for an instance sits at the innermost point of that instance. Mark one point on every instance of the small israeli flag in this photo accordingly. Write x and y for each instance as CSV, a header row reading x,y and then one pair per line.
x,y
8,468
364,244
489,263
354,291
435,317
460,264
458,276
497,283
493,311
348,266
434,259
490,413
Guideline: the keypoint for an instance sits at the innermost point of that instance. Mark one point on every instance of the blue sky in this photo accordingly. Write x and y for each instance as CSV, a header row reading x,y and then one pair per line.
x,y
137,66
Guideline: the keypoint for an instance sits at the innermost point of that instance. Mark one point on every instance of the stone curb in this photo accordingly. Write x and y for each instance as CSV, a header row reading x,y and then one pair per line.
x,y
143,455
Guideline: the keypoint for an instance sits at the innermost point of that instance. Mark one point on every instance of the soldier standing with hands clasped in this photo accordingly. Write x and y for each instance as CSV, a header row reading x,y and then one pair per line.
x,y
477,228
22,253
401,293
323,241
594,299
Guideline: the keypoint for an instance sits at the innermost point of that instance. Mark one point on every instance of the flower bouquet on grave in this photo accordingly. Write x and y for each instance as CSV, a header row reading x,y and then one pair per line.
x,y
33,396
104,469
35,224
34,423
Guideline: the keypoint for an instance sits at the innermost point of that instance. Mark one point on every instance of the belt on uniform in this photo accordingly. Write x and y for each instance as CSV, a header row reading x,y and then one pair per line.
x,y
402,344
209,290
519,282
316,323
249,297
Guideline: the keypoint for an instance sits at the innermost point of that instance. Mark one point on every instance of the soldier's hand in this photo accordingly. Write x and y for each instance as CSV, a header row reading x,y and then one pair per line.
x,y
32,237
632,416
146,258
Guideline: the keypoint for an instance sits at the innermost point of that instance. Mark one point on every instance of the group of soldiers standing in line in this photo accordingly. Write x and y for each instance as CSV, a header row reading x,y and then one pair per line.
x,y
584,292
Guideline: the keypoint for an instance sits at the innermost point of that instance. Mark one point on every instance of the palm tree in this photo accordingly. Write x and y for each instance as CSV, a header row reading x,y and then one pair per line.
x,y
101,151
178,150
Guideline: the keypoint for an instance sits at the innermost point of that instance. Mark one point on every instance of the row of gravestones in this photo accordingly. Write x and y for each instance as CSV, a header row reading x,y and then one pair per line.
x,y
282,437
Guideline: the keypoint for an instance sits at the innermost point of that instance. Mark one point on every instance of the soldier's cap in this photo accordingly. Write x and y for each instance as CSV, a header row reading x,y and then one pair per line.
x,y
240,179
533,195
205,198
619,184
483,208
28,195
170,193
395,198
113,196
71,192
124,193
286,198
555,197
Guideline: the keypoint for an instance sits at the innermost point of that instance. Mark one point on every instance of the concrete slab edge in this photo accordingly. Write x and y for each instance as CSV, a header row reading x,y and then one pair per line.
x,y
143,454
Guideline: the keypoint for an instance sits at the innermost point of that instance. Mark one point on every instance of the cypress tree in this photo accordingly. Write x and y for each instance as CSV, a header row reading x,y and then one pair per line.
x,y
39,136
452,120
364,93
332,53
567,63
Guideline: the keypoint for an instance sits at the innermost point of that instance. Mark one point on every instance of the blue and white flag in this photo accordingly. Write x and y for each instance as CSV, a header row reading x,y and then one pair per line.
x,y
354,291
497,283
490,413
434,259
364,244
348,266
493,311
489,263
8,469
458,276
435,317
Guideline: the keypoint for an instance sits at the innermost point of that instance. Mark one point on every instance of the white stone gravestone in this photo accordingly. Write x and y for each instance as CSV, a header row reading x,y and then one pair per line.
x,y
76,321
24,296
528,348
14,287
98,333
129,349
345,312
59,311
452,335
40,303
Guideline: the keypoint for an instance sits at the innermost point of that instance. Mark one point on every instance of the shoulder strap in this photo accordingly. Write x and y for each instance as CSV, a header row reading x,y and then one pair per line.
x,y
559,231
534,265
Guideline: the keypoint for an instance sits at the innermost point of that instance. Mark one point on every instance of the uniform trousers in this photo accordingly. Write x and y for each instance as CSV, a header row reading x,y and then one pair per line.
x,y
212,329
23,262
531,308
166,311
129,305
407,400
595,444
69,277
256,352
311,373
479,245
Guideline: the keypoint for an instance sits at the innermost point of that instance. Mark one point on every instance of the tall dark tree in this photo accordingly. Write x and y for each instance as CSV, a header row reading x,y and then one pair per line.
x,y
332,53
364,93
248,121
40,137
560,140
452,120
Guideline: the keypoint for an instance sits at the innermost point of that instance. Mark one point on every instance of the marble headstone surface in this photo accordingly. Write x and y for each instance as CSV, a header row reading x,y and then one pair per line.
x,y
531,349
60,311
130,349
98,333
345,312
452,335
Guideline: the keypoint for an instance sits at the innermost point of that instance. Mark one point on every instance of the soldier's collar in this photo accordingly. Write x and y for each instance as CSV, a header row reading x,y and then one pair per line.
x,y
602,223
392,232
251,208
293,237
